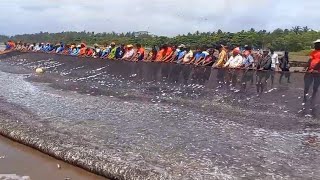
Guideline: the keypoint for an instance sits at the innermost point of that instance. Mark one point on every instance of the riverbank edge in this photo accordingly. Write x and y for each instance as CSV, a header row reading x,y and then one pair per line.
x,y
105,169
13,128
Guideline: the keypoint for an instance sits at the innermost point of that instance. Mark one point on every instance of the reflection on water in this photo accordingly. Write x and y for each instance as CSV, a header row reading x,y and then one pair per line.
x,y
180,121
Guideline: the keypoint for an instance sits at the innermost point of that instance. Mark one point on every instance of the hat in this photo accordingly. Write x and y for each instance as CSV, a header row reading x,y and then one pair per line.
x,y
113,44
317,41
181,46
79,46
130,46
96,45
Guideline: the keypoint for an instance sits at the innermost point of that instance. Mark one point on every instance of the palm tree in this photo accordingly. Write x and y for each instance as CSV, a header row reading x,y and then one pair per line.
x,y
252,30
296,29
306,29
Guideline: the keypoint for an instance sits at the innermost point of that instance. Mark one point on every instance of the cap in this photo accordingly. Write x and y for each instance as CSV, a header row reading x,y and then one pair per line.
x,y
317,41
181,46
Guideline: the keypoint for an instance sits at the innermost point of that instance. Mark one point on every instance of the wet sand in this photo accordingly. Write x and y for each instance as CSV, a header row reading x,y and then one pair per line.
x,y
21,160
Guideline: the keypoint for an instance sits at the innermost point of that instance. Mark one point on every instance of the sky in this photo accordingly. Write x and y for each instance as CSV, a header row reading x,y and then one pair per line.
x,y
159,17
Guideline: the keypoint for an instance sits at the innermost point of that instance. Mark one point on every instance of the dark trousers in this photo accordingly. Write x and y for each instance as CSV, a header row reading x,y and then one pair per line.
x,y
310,78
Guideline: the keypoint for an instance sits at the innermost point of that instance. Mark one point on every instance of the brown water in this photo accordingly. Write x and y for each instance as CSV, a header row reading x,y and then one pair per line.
x,y
16,159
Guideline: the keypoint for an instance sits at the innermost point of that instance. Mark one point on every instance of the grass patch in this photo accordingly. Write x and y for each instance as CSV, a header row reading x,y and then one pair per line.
x,y
300,56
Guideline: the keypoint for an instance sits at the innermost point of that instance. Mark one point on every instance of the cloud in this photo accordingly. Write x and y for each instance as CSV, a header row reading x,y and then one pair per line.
x,y
161,17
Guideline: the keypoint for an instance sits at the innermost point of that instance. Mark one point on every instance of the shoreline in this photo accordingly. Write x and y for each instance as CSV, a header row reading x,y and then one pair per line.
x,y
22,161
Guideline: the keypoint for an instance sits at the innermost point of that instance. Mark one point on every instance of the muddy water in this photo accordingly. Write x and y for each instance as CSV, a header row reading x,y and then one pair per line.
x,y
157,121
20,161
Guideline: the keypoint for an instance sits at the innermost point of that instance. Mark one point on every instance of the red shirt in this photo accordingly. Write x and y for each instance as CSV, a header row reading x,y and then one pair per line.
x,y
315,60
90,52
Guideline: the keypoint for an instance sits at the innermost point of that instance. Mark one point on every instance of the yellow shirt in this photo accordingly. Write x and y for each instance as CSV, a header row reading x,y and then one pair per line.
x,y
222,58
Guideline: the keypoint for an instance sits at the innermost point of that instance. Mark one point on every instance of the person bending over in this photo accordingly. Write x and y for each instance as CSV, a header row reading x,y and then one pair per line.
x,y
139,54
113,50
235,61
151,55
188,56
167,52
171,54
120,51
204,54
129,53
222,59
181,53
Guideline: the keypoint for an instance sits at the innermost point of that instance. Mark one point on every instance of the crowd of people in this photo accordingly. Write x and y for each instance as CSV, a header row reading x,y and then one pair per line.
x,y
267,62
217,56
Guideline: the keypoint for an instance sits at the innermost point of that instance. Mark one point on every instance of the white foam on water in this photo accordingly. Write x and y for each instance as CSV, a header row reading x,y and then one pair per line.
x,y
13,177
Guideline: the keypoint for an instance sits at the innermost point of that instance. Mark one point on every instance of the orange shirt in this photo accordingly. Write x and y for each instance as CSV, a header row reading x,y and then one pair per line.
x,y
83,51
168,52
160,55
315,60
140,51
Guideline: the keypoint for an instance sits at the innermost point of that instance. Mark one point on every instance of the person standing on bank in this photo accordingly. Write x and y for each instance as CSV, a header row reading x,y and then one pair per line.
x,y
263,73
312,75
285,67
274,64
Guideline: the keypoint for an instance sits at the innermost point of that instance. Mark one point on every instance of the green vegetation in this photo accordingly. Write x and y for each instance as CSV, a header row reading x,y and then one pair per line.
x,y
294,40
3,38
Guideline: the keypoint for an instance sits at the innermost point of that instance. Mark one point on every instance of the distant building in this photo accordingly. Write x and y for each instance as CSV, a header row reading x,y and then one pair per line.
x,y
140,33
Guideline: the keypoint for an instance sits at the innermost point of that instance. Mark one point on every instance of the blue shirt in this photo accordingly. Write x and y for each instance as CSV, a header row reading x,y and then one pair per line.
x,y
59,49
199,55
75,52
248,61
181,54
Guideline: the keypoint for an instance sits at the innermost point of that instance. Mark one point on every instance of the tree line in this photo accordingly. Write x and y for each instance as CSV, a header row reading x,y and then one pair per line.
x,y
294,39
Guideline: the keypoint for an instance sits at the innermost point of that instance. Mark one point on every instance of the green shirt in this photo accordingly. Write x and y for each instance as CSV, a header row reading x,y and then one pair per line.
x,y
112,53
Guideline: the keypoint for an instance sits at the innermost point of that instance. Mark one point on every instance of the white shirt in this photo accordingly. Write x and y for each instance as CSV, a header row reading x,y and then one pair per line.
x,y
234,62
275,60
37,48
206,53
129,54
188,57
